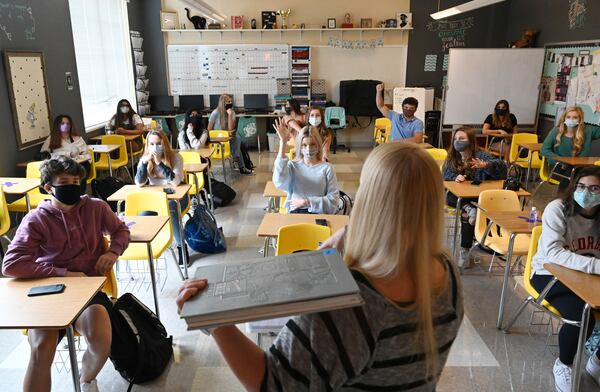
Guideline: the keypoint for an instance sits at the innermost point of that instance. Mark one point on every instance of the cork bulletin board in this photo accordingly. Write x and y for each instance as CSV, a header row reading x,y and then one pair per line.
x,y
26,76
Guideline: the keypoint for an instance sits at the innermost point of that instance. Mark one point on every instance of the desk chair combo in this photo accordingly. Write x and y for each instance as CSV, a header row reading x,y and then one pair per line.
x,y
222,150
382,130
35,195
121,162
335,119
515,150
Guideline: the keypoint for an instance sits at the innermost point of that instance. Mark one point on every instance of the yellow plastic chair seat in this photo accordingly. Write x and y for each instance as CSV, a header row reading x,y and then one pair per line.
x,y
500,244
301,237
140,251
35,198
225,146
122,161
439,154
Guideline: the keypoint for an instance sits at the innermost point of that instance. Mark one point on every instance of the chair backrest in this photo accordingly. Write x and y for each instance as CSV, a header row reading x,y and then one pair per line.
x,y
217,147
193,157
335,117
144,200
520,138
33,169
120,141
301,237
384,124
92,174
533,246
110,287
4,214
545,172
439,154
494,200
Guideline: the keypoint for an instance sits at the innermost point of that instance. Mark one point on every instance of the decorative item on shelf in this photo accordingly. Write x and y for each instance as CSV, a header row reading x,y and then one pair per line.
x,y
354,44
198,21
391,23
284,17
253,24
347,22
294,26
382,24
274,27
527,39
302,25
404,19
169,20
331,23
269,18
214,25
366,23
237,22
224,26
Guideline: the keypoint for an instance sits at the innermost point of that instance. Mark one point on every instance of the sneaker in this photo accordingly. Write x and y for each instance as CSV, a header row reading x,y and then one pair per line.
x,y
472,212
593,369
562,376
91,386
245,171
464,260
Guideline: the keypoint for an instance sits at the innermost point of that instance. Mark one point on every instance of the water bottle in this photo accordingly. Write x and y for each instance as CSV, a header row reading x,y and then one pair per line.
x,y
533,215
107,129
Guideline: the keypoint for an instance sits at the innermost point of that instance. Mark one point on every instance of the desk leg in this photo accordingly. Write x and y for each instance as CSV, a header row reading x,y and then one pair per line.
x,y
119,206
73,358
183,244
266,247
502,149
109,164
197,187
456,222
212,202
222,147
131,155
511,243
528,170
576,379
28,202
153,278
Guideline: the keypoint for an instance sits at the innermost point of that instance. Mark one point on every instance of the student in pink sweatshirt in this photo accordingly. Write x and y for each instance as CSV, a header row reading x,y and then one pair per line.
x,y
64,237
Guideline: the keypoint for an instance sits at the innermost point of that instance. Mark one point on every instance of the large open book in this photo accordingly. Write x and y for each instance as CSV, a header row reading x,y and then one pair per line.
x,y
272,287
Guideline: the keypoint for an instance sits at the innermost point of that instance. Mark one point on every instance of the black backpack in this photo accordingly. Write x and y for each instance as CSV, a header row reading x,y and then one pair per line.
x,y
105,187
222,193
141,349
513,179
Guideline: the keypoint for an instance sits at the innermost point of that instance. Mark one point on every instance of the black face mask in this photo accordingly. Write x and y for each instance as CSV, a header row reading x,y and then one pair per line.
x,y
501,112
228,105
67,194
195,121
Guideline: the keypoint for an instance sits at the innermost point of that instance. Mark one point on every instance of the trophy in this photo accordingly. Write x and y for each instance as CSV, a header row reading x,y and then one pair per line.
x,y
284,16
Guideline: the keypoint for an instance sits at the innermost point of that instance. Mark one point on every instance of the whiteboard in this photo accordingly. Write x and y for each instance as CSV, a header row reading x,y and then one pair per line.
x,y
233,69
478,78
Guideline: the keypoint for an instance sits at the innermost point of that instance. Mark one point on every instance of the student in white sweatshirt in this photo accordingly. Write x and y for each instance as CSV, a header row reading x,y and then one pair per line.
x,y
571,238
192,136
310,183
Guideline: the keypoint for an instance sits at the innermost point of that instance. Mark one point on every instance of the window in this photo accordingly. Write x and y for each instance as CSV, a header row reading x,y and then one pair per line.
x,y
103,54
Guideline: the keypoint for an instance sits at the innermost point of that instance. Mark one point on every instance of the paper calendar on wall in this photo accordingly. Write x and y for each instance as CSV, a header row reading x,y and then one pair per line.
x,y
233,69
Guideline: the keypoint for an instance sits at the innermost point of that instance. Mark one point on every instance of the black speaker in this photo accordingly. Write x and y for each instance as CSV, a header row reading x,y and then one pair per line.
x,y
432,126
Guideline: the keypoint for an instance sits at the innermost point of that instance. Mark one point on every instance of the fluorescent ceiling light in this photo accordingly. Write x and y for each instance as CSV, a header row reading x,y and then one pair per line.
x,y
466,7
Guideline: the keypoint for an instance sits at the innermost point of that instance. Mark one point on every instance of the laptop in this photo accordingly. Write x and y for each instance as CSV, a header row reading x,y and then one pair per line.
x,y
162,104
257,103
191,101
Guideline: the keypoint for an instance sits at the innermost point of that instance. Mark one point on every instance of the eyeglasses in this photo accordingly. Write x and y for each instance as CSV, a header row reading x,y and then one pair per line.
x,y
409,108
595,189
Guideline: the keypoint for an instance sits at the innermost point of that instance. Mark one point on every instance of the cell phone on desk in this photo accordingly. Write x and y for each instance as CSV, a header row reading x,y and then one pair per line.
x,y
475,183
46,290
321,222
169,191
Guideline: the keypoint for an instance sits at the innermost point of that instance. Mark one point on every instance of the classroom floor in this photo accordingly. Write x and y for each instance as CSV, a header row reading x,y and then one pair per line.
x,y
482,358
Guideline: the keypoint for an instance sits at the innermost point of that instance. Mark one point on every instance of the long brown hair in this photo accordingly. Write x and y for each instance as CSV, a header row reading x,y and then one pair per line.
x,y
400,189
455,158
323,131
56,135
122,118
222,112
168,153
579,132
502,121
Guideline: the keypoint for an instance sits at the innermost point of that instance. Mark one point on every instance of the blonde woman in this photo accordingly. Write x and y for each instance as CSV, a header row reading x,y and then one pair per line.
x,y
569,139
310,183
400,338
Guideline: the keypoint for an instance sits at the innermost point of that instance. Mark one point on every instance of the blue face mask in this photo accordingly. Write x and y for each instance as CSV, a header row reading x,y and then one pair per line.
x,y
586,199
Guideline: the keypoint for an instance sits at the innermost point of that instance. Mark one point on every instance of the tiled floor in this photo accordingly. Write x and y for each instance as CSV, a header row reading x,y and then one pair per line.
x,y
482,358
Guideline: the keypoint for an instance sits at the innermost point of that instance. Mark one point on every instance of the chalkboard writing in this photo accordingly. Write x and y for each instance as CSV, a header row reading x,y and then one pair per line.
x,y
452,33
16,20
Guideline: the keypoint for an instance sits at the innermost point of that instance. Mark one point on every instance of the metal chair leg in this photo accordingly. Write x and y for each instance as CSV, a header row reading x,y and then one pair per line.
x,y
176,261
517,314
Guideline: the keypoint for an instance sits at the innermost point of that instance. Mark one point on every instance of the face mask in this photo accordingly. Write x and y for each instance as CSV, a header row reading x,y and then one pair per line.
x,y
571,123
67,194
586,199
461,145
501,112
65,128
228,105
309,152
124,109
195,121
314,121
157,148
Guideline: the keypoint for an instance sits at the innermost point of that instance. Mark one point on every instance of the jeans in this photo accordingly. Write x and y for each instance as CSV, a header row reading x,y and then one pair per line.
x,y
175,218
236,150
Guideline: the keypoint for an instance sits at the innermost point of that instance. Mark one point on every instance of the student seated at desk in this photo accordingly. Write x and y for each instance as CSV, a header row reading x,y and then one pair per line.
x,y
192,136
570,237
315,119
466,161
405,126
500,121
569,139
395,341
64,140
294,118
310,183
160,165
64,236
127,122
223,118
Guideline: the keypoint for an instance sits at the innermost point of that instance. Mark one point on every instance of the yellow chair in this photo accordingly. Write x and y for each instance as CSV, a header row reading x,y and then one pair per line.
x,y
194,157
222,151
382,130
4,220
545,172
291,154
117,163
536,162
439,154
300,237
92,175
35,196
282,209
488,234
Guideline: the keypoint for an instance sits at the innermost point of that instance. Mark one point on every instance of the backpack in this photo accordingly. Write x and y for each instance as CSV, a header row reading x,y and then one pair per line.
x,y
141,348
222,193
345,205
246,156
105,187
513,179
202,234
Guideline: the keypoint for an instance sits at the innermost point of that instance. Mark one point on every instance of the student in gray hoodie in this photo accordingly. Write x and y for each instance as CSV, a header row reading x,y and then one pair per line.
x,y
64,236
571,238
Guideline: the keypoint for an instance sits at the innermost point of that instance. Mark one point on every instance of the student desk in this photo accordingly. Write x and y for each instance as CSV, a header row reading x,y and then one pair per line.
x,y
143,229
19,186
221,141
128,139
586,287
273,194
206,153
464,190
513,223
195,169
500,135
574,162
105,149
271,223
532,147
56,311
181,191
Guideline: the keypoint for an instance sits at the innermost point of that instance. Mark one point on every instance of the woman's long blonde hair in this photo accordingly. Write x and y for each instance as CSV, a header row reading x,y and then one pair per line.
x,y
579,132
222,112
168,154
308,131
396,226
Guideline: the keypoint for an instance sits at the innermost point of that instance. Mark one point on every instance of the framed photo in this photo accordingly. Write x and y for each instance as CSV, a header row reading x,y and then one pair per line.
x,y
237,22
403,19
331,23
366,23
169,20
27,87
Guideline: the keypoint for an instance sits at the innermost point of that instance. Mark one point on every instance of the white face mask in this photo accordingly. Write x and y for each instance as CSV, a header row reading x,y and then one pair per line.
x,y
571,122
124,109
157,148
309,152
314,121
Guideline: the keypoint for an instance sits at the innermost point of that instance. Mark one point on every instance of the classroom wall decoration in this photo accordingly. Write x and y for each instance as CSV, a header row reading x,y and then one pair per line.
x,y
16,20
572,77
452,33
354,44
577,11
26,77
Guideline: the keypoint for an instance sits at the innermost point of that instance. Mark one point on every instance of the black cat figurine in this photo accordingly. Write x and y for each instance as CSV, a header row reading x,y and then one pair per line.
x,y
198,21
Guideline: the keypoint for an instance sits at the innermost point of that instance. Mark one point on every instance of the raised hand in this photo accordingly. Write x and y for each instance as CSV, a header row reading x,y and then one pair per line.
x,y
282,130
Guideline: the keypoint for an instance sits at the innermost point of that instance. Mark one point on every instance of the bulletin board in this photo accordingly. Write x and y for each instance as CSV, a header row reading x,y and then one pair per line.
x,y
571,77
232,69
26,76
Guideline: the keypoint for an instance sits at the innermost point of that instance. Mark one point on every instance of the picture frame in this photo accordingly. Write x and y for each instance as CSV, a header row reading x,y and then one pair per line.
x,y
366,23
403,20
331,23
169,20
28,93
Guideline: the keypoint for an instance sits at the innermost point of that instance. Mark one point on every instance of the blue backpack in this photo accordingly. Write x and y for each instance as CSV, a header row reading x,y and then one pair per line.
x,y
202,234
